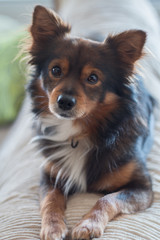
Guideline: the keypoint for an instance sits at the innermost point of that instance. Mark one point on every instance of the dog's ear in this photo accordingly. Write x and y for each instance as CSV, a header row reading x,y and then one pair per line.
x,y
47,25
127,45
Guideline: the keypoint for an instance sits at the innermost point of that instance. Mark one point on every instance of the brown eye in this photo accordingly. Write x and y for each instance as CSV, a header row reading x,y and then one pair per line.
x,y
92,79
56,71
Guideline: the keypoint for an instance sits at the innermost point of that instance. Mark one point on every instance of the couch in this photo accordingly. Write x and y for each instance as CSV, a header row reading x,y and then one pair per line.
x,y
20,163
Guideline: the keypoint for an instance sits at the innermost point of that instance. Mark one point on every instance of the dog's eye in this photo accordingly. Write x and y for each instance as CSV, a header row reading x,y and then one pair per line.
x,y
92,79
56,71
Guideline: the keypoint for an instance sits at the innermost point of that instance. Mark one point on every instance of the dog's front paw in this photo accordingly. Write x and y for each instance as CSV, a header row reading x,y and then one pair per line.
x,y
54,230
87,229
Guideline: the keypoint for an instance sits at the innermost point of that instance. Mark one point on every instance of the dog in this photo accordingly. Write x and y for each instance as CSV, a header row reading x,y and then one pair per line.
x,y
93,123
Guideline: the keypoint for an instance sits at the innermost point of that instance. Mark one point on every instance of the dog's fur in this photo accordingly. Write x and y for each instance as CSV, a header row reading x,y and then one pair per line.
x,y
101,143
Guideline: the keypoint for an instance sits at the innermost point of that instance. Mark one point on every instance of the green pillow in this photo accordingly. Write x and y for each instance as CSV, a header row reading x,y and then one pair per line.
x,y
12,76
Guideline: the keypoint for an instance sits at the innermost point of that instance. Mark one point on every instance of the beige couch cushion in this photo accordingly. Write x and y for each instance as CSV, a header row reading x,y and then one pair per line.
x,y
20,166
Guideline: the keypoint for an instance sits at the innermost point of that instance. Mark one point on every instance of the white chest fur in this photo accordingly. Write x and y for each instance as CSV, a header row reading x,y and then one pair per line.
x,y
71,161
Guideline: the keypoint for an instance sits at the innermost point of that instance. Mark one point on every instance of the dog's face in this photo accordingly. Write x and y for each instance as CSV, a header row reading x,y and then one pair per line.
x,y
79,75
75,78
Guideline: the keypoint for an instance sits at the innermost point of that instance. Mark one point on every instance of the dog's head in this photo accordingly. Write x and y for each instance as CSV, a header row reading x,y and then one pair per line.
x,y
80,76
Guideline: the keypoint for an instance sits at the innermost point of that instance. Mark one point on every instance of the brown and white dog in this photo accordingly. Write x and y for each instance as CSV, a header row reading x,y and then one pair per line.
x,y
94,122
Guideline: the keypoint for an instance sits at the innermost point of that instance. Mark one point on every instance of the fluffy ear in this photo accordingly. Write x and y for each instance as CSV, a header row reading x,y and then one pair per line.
x,y
46,25
127,45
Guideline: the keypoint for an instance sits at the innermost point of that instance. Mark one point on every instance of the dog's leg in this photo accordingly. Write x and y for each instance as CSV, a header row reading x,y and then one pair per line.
x,y
52,211
125,201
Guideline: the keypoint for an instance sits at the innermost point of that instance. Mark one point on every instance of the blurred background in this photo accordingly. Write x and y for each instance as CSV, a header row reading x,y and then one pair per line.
x,y
15,16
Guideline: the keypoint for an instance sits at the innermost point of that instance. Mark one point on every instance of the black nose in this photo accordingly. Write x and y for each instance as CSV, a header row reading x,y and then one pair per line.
x,y
66,102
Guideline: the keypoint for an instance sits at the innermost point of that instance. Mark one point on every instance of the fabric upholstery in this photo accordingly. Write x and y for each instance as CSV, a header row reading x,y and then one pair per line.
x,y
20,165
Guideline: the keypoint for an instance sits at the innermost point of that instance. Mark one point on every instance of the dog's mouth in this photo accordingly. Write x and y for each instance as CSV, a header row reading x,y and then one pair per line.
x,y
67,114
64,115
